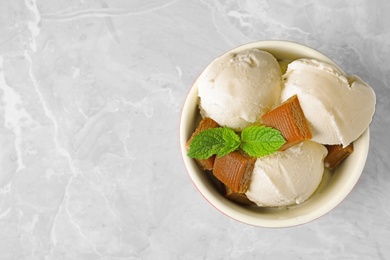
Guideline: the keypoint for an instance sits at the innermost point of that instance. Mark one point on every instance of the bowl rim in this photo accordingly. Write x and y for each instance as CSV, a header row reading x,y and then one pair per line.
x,y
247,215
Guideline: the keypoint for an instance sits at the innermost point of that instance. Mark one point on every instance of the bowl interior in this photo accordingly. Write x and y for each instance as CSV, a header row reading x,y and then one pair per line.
x,y
334,187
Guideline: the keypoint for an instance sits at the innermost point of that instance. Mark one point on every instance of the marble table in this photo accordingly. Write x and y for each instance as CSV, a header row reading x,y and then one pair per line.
x,y
90,101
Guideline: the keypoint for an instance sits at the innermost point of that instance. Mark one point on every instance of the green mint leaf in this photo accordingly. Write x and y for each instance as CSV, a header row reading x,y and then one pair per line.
x,y
232,142
219,140
258,141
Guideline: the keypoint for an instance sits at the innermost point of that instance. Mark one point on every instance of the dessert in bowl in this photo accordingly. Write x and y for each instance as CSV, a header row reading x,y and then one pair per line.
x,y
205,100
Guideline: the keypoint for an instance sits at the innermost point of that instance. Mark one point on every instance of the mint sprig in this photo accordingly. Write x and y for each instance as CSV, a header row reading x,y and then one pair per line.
x,y
256,141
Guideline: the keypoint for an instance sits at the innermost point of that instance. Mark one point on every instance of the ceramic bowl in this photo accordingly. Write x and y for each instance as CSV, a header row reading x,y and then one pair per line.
x,y
334,187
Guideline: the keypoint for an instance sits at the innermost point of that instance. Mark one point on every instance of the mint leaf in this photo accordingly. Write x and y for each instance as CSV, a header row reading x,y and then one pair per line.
x,y
219,140
259,141
232,142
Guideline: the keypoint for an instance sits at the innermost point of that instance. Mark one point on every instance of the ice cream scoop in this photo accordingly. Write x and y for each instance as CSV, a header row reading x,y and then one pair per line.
x,y
236,89
339,108
288,177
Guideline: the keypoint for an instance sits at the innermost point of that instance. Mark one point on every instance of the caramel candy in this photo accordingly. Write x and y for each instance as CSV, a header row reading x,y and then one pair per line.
x,y
205,123
240,198
289,119
336,154
234,170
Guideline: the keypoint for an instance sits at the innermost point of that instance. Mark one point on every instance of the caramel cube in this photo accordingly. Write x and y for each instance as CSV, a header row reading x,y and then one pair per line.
x,y
290,120
205,123
239,198
234,170
336,154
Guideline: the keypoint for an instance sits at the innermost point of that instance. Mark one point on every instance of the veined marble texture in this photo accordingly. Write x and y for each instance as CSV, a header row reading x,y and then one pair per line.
x,y
90,100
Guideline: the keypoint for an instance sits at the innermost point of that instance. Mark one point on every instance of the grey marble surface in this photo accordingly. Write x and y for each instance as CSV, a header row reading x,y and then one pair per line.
x,y
90,100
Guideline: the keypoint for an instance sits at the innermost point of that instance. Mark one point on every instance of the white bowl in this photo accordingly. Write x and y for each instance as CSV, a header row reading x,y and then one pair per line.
x,y
334,187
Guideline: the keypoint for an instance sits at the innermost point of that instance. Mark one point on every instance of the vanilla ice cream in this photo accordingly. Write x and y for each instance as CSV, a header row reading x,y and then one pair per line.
x,y
236,89
288,177
339,108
